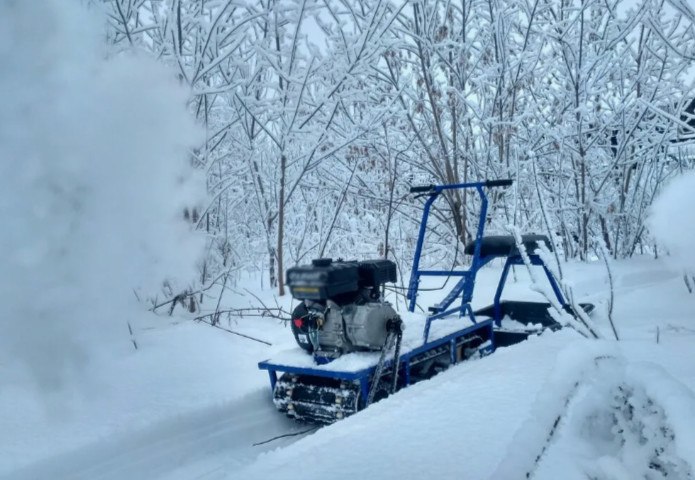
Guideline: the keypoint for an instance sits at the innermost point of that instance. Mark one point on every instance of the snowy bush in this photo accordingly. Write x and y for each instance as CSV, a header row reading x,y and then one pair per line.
x,y
94,178
672,220
318,125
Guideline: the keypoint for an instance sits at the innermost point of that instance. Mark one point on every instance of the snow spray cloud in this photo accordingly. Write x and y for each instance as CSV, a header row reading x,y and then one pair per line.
x,y
672,220
94,177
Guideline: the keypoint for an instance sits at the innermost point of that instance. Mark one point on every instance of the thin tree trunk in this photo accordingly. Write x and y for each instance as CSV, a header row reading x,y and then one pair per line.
x,y
281,224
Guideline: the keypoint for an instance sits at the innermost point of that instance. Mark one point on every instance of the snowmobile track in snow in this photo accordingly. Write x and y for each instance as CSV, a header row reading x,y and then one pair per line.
x,y
567,400
178,447
631,416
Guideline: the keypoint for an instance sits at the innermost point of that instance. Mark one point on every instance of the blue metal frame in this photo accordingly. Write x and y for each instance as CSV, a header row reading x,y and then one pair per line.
x,y
465,286
518,260
365,375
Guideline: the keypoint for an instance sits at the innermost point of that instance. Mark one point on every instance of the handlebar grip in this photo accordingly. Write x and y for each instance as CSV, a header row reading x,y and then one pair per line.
x,y
499,183
421,189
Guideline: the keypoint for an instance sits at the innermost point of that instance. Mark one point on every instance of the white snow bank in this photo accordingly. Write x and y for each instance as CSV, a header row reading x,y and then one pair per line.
x,y
555,406
191,402
675,399
183,377
605,417
94,176
456,425
672,220
574,366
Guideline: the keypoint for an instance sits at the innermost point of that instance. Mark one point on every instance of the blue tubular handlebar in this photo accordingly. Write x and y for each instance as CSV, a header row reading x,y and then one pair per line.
x,y
436,189
507,182
422,189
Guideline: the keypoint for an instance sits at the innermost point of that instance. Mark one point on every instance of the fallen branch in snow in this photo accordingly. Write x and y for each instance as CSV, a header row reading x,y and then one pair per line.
x,y
180,297
216,325
680,329
263,312
286,315
213,318
286,435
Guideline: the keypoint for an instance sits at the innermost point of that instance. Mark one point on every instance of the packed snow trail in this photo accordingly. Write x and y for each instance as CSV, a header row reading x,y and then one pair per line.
x,y
456,425
197,445
512,415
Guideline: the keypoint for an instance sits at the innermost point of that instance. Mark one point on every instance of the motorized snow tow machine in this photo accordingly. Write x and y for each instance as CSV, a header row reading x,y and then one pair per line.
x,y
354,347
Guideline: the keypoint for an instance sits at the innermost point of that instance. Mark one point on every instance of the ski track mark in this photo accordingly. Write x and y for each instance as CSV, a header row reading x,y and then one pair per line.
x,y
227,431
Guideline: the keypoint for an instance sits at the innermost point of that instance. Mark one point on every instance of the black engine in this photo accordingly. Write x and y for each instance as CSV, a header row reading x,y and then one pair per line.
x,y
342,309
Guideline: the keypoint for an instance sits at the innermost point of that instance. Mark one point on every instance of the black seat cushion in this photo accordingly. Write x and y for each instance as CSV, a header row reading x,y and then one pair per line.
x,y
505,245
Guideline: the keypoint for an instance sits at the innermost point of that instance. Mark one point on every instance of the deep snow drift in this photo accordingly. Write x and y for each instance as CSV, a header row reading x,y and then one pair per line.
x,y
94,178
556,406
672,224
190,403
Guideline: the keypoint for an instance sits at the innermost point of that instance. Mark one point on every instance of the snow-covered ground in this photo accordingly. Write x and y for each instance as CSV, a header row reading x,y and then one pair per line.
x,y
191,403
